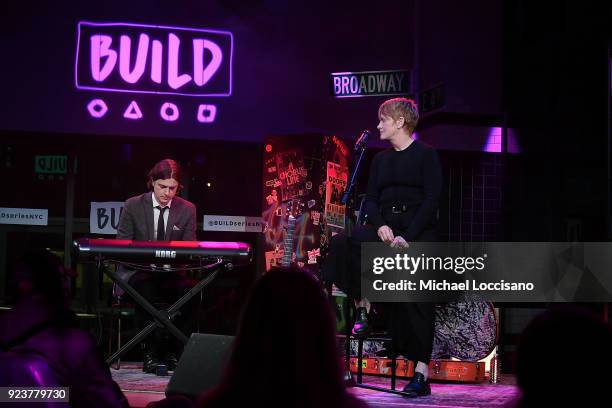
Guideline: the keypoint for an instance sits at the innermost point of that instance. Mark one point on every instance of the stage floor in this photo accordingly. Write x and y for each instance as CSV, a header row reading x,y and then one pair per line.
x,y
141,389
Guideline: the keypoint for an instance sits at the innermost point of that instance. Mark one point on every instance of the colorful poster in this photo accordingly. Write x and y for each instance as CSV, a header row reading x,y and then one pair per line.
x,y
336,181
274,258
295,173
291,173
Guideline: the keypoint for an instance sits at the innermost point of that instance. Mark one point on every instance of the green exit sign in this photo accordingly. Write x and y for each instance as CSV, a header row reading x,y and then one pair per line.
x,y
50,164
432,99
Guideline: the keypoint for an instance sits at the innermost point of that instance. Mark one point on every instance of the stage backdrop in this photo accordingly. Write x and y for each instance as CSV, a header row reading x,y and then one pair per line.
x,y
232,70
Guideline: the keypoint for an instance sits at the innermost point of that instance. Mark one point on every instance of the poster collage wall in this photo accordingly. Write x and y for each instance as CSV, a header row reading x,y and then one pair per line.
x,y
305,177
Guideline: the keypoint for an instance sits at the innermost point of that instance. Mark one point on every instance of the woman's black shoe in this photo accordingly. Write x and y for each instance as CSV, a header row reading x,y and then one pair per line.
x,y
150,362
417,387
171,360
361,326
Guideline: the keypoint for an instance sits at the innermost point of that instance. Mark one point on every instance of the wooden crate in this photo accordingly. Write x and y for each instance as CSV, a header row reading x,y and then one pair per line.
x,y
439,370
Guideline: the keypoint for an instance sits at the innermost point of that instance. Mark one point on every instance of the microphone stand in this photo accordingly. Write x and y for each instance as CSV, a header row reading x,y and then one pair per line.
x,y
348,376
351,185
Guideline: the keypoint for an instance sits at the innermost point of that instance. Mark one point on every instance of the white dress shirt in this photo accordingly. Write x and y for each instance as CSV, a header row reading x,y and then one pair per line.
x,y
156,213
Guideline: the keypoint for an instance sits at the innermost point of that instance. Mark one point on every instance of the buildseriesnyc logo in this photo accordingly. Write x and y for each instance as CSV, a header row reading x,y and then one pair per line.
x,y
25,216
137,59
234,223
22,216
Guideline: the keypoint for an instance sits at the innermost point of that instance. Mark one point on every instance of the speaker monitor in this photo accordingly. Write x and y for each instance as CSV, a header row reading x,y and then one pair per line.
x,y
201,365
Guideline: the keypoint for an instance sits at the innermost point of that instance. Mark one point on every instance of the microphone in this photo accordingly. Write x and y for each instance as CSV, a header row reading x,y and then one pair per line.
x,y
362,141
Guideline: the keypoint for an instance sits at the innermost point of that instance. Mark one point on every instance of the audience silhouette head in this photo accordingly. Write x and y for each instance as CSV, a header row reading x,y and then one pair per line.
x,y
41,273
285,351
563,357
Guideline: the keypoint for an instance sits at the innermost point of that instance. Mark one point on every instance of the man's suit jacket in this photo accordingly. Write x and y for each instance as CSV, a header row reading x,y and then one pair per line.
x,y
136,222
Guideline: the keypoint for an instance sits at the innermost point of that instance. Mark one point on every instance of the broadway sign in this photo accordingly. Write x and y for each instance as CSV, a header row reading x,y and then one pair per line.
x,y
370,83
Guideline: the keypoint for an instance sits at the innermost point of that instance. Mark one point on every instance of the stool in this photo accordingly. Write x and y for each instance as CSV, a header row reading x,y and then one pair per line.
x,y
348,337
383,337
119,310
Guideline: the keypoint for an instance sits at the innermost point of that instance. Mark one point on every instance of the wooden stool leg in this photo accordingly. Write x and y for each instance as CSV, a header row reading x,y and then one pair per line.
x,y
393,370
111,323
348,377
119,337
360,362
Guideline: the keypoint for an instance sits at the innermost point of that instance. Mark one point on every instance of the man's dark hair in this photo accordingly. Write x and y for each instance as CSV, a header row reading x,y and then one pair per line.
x,y
165,169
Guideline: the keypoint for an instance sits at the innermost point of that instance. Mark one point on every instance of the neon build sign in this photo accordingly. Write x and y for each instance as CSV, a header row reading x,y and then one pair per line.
x,y
148,59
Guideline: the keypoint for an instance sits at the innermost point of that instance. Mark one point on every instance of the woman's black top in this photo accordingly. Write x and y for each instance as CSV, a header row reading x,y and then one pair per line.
x,y
404,188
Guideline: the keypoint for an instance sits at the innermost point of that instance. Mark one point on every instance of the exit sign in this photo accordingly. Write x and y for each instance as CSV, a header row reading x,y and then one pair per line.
x,y
432,99
50,164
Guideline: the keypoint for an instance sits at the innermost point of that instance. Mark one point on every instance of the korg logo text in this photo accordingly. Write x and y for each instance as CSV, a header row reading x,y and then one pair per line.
x,y
160,253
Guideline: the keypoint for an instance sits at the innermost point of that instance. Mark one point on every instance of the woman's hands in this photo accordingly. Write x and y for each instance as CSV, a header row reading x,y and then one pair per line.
x,y
386,235
399,242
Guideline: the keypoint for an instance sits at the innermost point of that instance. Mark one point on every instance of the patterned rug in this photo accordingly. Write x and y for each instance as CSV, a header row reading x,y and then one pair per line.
x,y
442,394
131,379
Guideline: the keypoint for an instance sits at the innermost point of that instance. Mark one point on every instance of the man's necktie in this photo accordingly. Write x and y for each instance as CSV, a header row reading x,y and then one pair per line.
x,y
161,227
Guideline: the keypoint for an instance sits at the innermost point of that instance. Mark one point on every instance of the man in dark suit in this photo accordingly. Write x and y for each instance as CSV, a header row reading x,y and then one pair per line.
x,y
160,215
